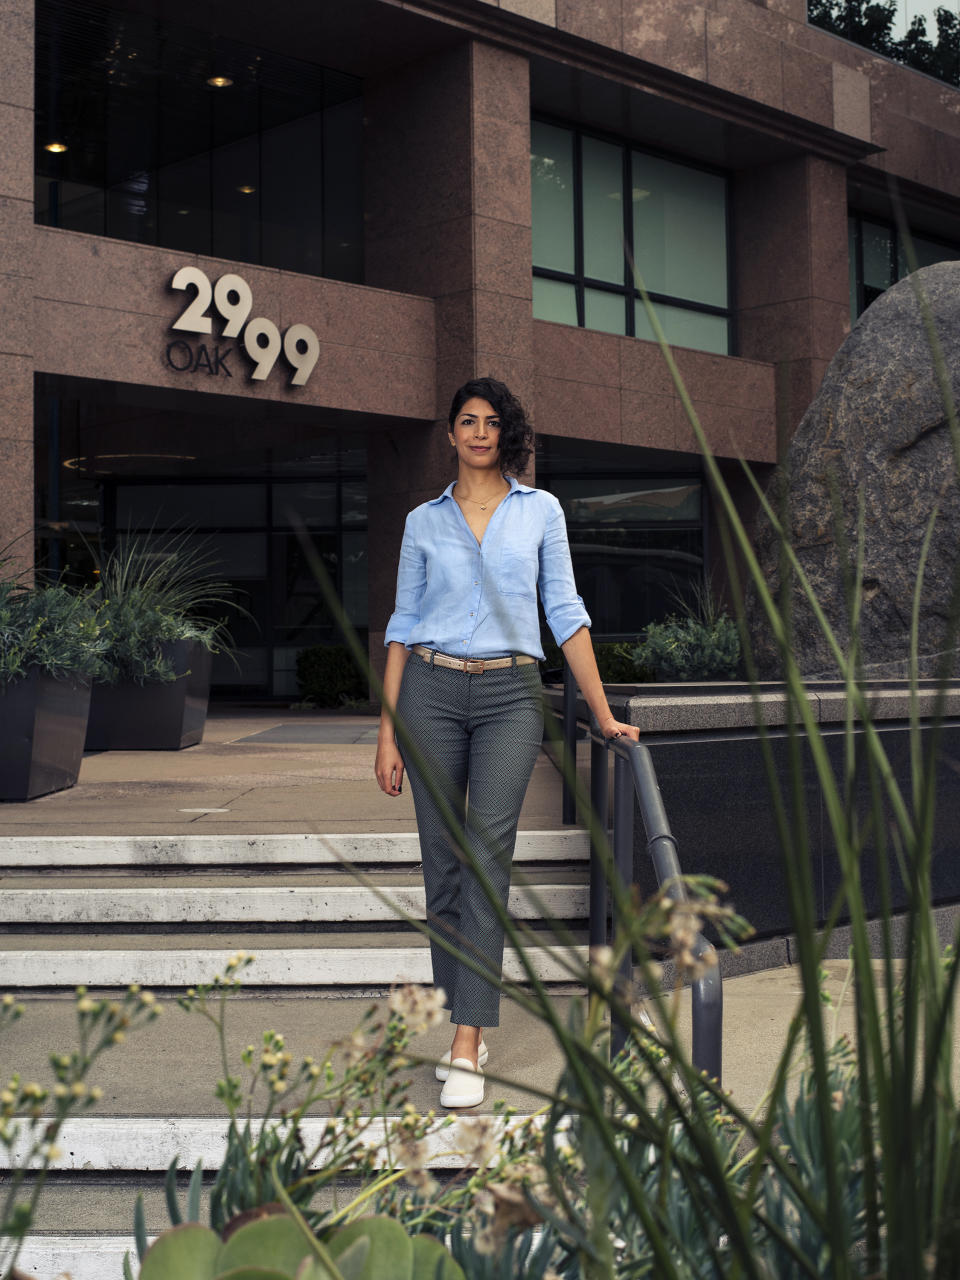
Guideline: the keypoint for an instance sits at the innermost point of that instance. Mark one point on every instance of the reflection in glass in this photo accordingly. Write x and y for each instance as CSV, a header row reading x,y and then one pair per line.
x,y
883,259
926,253
629,577
551,177
310,503
602,211
683,328
355,577
604,311
680,230
148,506
595,500
353,497
636,538
878,260
554,300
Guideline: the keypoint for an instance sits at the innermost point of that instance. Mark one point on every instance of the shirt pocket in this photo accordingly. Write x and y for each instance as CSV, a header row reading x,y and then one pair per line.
x,y
518,572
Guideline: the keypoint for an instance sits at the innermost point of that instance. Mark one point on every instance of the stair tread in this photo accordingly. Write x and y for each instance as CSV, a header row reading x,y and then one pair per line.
x,y
274,941
162,879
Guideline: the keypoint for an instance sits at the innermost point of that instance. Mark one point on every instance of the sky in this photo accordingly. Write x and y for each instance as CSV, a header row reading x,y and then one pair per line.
x,y
908,9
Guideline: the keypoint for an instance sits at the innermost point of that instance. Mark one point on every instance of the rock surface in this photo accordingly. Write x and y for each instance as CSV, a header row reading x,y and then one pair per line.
x,y
876,438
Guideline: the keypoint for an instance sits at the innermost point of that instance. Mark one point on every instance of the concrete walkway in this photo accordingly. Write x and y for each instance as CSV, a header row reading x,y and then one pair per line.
x,y
257,771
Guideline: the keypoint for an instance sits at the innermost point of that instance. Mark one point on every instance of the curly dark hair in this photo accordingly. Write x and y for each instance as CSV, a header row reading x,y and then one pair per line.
x,y
516,434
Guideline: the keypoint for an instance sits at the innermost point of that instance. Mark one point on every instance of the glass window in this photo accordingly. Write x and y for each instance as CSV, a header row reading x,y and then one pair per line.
x,y
675,228
605,311
602,211
147,506
551,179
355,577
354,500
926,253
554,300
636,539
683,328
680,230
878,258
311,504
613,500
171,136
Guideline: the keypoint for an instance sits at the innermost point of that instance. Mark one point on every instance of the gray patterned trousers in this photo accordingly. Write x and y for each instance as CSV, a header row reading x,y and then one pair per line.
x,y
478,737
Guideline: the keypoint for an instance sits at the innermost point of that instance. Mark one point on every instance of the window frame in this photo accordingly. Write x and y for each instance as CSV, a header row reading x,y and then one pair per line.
x,y
627,291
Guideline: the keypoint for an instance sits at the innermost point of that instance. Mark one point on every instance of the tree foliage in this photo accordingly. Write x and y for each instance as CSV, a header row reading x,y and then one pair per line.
x,y
871,24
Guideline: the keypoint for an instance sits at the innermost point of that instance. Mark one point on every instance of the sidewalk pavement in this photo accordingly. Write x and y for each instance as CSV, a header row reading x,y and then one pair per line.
x,y
258,771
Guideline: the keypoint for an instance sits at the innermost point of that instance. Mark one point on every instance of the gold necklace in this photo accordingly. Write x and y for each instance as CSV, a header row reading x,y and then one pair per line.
x,y
482,505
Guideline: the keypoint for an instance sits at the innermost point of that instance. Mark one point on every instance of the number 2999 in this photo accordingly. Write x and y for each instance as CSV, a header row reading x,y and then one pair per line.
x,y
232,298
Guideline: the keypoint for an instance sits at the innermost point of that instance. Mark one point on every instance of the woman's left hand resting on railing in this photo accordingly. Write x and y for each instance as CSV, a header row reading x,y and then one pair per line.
x,y
578,652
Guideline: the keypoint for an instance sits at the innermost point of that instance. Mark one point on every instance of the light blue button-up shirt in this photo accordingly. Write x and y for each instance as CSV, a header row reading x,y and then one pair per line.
x,y
479,600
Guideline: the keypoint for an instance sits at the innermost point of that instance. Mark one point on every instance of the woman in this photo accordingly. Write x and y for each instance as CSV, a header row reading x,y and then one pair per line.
x,y
462,650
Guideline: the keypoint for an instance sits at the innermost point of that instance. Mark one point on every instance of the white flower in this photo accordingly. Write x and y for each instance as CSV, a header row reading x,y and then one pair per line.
x,y
478,1136
420,1007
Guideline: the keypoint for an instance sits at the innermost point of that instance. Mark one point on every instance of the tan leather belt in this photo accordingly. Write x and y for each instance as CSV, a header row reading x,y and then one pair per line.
x,y
472,666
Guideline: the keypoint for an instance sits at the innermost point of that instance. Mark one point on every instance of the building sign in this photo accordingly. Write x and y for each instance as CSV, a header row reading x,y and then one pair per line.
x,y
259,338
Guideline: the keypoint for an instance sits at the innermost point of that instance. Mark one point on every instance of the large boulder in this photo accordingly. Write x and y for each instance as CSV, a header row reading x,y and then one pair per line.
x,y
876,437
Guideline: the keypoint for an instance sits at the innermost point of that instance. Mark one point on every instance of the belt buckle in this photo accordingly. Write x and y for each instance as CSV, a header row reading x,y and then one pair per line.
x,y
473,666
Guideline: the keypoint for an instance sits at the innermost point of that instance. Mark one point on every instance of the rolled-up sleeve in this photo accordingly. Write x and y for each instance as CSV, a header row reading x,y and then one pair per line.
x,y
411,584
562,606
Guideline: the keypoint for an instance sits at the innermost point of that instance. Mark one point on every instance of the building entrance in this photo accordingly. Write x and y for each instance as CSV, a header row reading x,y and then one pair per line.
x,y
116,462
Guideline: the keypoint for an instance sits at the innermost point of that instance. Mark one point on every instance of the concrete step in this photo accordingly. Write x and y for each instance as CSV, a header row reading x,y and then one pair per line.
x,y
263,900
148,1144
304,959
158,1102
568,845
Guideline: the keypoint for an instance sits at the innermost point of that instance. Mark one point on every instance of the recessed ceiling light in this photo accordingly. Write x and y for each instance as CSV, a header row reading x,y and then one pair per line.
x,y
183,211
82,464
55,147
247,190
219,82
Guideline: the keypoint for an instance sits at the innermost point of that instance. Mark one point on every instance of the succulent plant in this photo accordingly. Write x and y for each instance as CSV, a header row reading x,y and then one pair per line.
x,y
275,1248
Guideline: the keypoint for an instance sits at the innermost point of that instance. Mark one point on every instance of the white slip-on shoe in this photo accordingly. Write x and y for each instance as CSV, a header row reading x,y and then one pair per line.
x,y
443,1066
464,1086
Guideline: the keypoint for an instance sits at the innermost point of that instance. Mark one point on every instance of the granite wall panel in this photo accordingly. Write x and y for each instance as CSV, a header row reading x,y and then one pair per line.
x,y
16,510
596,20
669,33
17,42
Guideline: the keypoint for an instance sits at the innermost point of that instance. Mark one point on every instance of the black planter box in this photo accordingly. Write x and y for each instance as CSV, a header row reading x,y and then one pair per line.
x,y
154,717
712,775
43,723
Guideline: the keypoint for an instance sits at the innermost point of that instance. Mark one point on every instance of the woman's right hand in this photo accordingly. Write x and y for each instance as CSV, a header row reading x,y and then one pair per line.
x,y
389,767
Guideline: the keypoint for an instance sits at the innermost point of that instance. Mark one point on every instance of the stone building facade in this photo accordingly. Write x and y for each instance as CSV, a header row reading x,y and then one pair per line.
x,y
411,194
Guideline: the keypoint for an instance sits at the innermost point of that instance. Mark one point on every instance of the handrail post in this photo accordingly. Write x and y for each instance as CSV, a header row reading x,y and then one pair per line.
x,y
568,814
598,805
623,862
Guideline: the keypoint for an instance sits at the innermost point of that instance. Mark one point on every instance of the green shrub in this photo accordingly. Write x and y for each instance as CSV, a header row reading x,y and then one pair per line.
x,y
614,662
690,649
327,676
50,628
153,591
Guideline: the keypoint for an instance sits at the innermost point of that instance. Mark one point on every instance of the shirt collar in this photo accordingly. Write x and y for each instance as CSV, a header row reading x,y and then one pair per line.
x,y
515,487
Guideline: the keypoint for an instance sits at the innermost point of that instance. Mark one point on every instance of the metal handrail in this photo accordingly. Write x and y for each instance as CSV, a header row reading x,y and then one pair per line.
x,y
634,775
